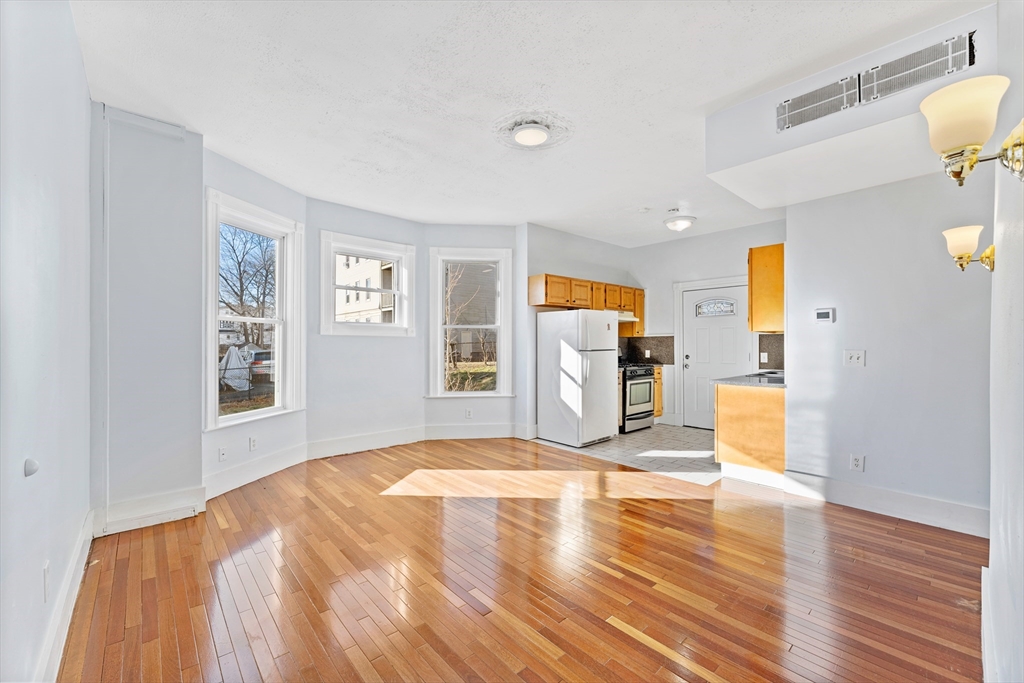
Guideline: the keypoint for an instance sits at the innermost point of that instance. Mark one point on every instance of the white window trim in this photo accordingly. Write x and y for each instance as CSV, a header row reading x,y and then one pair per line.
x,y
438,255
291,389
403,255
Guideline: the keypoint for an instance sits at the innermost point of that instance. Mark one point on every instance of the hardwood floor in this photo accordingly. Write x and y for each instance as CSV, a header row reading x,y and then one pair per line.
x,y
570,569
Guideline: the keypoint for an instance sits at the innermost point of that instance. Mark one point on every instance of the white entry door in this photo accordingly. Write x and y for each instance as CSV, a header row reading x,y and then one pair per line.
x,y
716,344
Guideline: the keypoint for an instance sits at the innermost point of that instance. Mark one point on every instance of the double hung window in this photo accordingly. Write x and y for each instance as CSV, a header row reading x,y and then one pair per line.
x,y
254,309
471,322
366,286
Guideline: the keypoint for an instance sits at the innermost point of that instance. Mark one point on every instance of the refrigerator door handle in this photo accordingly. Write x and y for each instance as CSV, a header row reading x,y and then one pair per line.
x,y
586,369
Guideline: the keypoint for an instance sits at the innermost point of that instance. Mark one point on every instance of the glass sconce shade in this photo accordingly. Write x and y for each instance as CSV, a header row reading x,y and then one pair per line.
x,y
964,114
963,240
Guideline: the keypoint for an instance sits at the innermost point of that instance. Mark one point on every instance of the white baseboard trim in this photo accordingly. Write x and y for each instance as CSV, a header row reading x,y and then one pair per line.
x,y
364,442
754,475
988,664
57,631
469,431
931,511
142,512
526,432
232,478
674,419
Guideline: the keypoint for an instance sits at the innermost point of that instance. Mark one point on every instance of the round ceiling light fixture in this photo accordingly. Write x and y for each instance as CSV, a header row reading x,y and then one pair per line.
x,y
532,130
677,222
530,134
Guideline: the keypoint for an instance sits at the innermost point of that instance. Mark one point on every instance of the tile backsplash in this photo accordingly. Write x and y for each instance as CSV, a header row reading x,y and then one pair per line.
x,y
773,345
662,348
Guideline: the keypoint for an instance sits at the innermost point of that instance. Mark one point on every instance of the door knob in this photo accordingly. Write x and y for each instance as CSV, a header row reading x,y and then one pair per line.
x,y
687,356
686,366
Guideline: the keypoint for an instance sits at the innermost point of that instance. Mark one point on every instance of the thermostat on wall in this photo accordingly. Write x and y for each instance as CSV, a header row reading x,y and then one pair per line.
x,y
825,315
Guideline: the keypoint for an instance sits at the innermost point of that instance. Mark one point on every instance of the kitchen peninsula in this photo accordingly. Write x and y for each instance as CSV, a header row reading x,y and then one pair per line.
x,y
750,427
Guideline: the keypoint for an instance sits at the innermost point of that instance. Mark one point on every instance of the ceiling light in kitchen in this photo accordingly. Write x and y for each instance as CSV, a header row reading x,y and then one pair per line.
x,y
679,223
532,130
530,134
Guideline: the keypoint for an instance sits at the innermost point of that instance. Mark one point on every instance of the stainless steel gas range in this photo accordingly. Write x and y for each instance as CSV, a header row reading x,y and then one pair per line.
x,y
637,397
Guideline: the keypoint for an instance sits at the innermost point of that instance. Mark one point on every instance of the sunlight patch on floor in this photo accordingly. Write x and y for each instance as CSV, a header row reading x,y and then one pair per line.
x,y
553,484
675,454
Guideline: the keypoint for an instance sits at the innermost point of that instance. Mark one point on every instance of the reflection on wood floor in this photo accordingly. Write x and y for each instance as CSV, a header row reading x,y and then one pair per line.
x,y
312,575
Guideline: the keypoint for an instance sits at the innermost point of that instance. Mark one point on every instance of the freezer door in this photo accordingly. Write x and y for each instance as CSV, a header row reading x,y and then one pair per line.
x,y
599,330
599,389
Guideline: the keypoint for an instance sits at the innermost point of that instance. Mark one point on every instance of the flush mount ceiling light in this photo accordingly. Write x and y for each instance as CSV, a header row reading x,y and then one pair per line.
x,y
961,119
532,130
677,222
530,134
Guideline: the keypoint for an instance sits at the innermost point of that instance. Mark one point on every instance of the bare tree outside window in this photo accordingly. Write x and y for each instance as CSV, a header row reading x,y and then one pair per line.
x,y
248,323
470,326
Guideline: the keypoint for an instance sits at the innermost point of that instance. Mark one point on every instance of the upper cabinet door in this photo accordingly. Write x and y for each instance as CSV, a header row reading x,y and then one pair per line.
x,y
579,293
612,297
557,290
627,302
766,288
639,327
597,296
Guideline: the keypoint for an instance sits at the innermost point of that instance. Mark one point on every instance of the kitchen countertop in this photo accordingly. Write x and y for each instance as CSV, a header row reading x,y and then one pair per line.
x,y
777,381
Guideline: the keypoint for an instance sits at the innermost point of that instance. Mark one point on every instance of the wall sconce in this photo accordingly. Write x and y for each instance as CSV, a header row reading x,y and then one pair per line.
x,y
963,242
961,119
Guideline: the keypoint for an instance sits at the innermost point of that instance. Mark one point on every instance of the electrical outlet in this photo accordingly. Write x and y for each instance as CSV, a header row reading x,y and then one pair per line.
x,y
857,463
764,357
222,454
469,414
252,443
46,581
854,357
647,353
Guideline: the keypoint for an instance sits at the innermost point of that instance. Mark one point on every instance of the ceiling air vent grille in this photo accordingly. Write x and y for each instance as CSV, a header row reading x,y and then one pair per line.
x,y
817,103
948,57
932,62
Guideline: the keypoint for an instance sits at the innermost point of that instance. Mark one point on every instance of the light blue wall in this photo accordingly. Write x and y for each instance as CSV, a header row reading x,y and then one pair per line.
x,y
44,331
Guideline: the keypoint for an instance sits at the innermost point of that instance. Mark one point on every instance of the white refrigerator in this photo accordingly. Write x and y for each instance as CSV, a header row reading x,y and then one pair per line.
x,y
577,376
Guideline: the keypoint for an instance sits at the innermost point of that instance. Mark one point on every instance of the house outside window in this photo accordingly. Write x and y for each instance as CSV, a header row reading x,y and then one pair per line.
x,y
254,293
471,322
379,300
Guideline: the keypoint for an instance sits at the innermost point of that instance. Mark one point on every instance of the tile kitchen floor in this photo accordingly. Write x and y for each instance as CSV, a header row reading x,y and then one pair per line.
x,y
662,448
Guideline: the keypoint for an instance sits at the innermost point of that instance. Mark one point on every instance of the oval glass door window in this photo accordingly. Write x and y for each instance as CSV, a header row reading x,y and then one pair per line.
x,y
710,307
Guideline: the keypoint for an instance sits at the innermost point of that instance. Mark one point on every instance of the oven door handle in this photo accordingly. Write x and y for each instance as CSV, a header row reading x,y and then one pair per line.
x,y
641,416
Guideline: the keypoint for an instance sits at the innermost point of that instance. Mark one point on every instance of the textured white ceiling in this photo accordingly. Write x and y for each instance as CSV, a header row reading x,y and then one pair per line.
x,y
389,106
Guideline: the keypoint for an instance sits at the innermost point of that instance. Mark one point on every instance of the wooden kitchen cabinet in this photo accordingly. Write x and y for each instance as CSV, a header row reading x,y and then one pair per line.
x,y
637,328
558,291
766,288
612,295
659,404
627,299
549,290
750,426
579,293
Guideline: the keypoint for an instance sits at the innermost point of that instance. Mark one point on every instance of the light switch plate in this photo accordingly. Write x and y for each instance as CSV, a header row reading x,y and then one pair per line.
x,y
854,357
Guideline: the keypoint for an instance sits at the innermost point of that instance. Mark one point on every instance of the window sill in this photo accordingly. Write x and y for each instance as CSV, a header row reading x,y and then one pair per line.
x,y
471,394
261,414
366,330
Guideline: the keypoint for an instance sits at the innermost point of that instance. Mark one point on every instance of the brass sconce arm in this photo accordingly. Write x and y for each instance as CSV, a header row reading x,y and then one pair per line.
x,y
987,259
